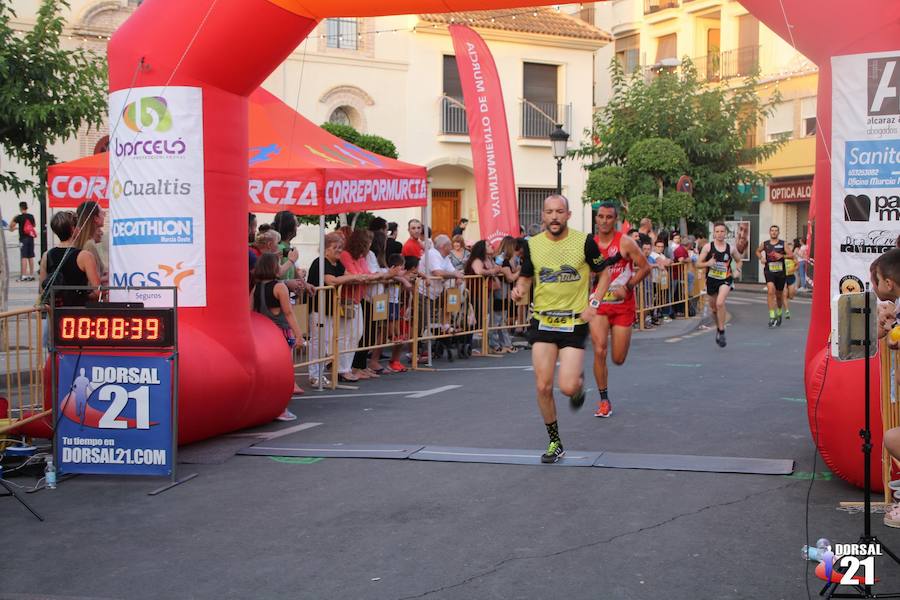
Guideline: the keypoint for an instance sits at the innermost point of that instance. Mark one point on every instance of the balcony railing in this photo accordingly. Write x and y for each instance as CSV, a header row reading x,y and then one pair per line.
x,y
652,6
740,62
540,118
731,63
453,116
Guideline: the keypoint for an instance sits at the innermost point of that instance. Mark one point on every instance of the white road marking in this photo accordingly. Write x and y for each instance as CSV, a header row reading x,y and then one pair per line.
x,y
405,393
520,367
271,435
438,390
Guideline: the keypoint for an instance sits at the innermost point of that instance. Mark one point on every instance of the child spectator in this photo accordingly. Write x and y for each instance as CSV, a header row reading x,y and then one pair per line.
x,y
885,274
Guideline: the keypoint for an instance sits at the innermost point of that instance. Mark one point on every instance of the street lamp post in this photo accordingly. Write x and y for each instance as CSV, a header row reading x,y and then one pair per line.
x,y
559,138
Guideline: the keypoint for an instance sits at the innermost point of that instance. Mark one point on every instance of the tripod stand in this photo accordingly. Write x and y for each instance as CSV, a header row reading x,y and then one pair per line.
x,y
10,491
865,590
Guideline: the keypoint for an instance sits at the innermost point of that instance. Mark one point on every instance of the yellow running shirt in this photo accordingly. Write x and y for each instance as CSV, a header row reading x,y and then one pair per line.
x,y
561,271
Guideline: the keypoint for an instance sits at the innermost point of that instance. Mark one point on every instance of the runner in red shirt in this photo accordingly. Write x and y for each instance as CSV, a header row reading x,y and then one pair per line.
x,y
616,308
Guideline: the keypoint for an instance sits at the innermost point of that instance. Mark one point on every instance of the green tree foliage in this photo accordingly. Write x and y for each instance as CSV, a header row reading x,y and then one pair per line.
x,y
606,183
47,93
709,123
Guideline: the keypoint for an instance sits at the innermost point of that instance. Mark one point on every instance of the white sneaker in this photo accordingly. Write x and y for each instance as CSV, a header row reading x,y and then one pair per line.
x,y
286,416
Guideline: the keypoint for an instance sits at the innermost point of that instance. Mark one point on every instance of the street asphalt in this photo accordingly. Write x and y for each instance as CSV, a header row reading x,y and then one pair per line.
x,y
264,527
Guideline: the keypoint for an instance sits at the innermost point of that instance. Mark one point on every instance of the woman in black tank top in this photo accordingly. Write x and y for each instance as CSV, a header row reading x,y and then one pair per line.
x,y
68,265
271,298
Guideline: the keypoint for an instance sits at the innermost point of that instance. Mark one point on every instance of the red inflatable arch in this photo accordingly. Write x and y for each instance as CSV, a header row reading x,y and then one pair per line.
x,y
821,30
233,376
234,373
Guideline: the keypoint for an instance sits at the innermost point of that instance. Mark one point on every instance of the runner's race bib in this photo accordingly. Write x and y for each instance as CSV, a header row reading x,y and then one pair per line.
x,y
775,267
562,321
719,270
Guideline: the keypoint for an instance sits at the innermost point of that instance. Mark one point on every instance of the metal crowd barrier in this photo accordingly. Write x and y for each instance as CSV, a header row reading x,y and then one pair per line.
x,y
22,362
316,355
890,410
675,290
449,312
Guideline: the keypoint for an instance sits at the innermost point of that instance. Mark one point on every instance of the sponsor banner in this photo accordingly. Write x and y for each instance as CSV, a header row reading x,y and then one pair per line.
x,y
115,415
495,187
865,172
153,230
156,192
300,193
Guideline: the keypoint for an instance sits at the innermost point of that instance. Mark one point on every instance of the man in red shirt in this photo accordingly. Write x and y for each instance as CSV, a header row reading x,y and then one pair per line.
x,y
415,245
615,309
681,257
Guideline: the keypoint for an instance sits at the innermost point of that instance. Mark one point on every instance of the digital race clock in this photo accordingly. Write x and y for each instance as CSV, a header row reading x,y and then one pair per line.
x,y
113,327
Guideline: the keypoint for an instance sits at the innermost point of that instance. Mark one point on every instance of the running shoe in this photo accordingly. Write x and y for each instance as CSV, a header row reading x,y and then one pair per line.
x,y
720,339
553,454
576,400
396,367
787,314
604,409
772,322
286,416
778,321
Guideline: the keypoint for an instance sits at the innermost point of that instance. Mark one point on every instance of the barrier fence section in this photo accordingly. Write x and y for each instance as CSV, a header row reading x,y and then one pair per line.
x,y
23,357
318,325
673,291
890,410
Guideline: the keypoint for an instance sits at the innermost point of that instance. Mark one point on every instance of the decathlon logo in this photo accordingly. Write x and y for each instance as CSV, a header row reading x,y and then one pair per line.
x,y
148,114
153,230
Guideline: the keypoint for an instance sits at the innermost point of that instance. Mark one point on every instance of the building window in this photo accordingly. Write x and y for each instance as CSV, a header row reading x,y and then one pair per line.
x,y
453,107
628,50
540,111
780,124
531,205
340,116
666,47
342,33
808,116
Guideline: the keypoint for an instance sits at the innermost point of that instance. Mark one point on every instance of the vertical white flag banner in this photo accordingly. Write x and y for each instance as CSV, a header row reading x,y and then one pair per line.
x,y
865,168
156,196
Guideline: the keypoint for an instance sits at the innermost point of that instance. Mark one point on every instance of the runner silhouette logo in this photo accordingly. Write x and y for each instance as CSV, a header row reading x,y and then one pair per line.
x,y
857,208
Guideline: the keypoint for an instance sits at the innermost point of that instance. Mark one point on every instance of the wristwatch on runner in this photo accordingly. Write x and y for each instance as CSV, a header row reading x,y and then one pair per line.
x,y
594,303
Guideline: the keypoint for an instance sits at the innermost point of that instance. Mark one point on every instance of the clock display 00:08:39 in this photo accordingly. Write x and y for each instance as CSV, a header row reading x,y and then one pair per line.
x,y
109,328
97,327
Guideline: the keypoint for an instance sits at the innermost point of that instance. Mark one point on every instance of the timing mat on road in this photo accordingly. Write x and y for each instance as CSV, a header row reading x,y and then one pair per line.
x,y
572,458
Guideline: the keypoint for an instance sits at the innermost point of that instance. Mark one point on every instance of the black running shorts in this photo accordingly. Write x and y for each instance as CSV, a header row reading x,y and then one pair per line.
x,y
713,285
26,246
562,339
776,278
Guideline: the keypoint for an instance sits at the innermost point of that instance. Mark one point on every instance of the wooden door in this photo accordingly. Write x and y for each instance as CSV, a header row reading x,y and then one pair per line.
x,y
444,211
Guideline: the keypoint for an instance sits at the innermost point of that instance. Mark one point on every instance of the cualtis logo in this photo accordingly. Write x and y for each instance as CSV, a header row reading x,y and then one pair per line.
x,y
856,208
148,114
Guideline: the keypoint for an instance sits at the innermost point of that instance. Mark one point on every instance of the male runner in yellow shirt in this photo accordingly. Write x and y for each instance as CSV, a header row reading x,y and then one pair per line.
x,y
559,261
